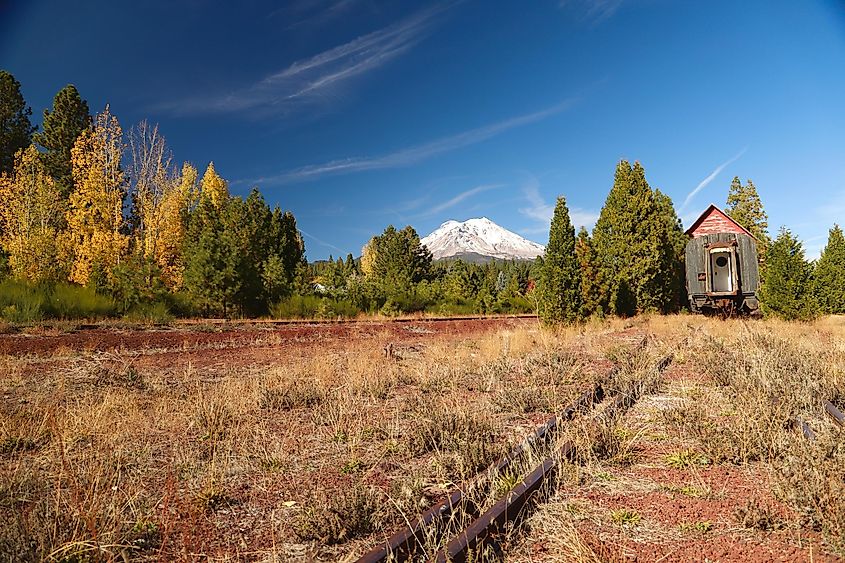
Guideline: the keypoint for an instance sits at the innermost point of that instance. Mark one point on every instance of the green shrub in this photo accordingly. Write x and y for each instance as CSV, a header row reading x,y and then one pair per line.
x,y
21,302
296,307
68,301
150,313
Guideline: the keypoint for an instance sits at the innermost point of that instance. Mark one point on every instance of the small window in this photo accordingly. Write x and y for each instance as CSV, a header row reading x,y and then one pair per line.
x,y
721,261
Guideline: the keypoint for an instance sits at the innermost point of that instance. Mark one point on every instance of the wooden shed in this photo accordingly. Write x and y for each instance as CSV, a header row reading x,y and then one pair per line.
x,y
721,265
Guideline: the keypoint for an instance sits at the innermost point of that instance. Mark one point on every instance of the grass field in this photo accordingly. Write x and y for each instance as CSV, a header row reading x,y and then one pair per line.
x,y
305,442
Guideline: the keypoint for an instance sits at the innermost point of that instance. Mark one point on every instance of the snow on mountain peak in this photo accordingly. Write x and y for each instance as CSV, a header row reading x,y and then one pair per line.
x,y
480,236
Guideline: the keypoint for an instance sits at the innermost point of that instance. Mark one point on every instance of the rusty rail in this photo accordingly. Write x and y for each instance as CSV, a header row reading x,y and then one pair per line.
x,y
407,541
515,504
835,413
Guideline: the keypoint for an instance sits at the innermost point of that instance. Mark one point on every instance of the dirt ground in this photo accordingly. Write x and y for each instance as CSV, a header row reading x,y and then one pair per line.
x,y
202,444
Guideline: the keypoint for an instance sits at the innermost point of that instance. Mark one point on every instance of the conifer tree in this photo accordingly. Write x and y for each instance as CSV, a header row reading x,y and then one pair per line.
x,y
15,127
745,207
786,291
31,213
252,225
829,274
94,239
560,278
673,254
630,242
399,260
60,129
211,260
592,283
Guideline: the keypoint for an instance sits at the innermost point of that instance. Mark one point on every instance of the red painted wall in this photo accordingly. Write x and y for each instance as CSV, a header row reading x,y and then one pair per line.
x,y
716,222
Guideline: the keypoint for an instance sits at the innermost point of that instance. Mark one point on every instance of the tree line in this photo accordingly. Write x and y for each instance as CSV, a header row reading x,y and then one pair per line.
x,y
85,205
633,261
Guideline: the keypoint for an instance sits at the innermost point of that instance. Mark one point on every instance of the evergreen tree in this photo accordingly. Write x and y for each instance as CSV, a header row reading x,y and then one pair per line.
x,y
673,254
399,261
829,274
251,221
211,260
745,207
15,127
60,129
787,291
631,241
593,289
560,278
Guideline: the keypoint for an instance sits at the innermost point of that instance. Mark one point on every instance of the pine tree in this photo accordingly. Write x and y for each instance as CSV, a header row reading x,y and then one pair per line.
x,y
252,225
592,284
15,127
399,260
560,278
60,129
95,239
673,254
211,260
829,274
631,242
745,207
786,292
31,213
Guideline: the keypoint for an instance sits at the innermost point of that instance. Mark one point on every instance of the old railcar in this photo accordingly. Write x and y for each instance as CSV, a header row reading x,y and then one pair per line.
x,y
721,265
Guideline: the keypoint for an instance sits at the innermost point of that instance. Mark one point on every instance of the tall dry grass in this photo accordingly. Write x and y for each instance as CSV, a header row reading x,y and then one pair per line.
x,y
103,457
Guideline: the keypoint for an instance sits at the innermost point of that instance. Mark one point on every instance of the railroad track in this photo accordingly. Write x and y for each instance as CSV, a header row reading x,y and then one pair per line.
x,y
399,320
834,413
431,527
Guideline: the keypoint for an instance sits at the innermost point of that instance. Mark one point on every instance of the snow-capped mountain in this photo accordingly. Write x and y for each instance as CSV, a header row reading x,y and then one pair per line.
x,y
477,239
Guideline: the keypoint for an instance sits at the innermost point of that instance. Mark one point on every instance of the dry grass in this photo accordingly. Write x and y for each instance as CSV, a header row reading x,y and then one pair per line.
x,y
101,455
764,377
324,453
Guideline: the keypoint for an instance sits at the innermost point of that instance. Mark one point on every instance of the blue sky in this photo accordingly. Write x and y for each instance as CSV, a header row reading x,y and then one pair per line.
x,y
356,114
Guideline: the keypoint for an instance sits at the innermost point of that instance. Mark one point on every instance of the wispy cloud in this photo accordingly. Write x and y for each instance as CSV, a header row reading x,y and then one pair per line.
x,y
460,197
321,242
312,12
416,154
594,10
318,76
541,211
710,177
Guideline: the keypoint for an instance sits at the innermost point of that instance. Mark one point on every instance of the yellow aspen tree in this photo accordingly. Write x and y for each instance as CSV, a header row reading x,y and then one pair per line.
x,y
213,187
173,225
95,216
31,211
368,257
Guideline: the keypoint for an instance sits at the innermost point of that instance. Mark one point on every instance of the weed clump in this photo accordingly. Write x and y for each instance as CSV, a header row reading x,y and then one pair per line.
x,y
290,394
331,520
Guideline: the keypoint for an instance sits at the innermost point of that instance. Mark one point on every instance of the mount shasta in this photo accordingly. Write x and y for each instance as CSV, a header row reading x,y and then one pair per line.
x,y
479,240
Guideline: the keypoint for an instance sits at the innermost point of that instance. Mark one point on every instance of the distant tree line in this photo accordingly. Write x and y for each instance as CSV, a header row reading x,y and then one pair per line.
x,y
397,274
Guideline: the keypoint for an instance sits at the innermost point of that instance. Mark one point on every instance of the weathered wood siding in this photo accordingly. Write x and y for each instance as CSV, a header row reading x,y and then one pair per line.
x,y
748,263
696,261
695,264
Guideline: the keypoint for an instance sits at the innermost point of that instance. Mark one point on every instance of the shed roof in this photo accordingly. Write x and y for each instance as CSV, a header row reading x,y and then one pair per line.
x,y
715,212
